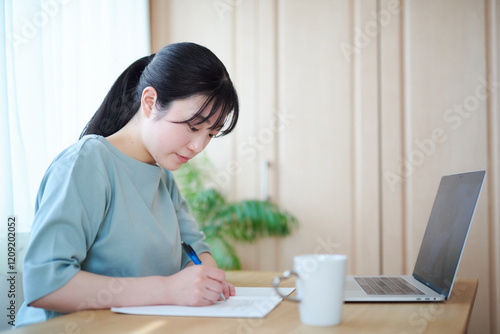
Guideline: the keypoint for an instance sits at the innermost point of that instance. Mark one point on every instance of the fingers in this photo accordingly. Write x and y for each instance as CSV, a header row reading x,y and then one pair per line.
x,y
204,285
216,274
217,281
228,290
210,284
219,276
216,287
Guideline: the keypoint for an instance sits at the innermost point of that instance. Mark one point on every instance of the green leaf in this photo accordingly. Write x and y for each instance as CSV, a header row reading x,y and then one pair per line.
x,y
224,254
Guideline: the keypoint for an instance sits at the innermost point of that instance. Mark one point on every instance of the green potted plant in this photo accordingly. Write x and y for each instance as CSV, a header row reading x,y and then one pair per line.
x,y
225,222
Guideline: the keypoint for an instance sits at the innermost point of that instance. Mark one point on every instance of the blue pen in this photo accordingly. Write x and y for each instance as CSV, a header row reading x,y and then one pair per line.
x,y
196,260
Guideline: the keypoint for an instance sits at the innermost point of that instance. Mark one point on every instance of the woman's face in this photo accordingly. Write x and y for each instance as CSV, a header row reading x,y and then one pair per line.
x,y
172,144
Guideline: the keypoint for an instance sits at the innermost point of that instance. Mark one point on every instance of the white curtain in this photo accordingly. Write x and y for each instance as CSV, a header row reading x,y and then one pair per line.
x,y
58,59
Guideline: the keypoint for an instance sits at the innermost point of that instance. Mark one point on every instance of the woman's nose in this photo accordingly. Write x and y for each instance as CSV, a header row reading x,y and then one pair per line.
x,y
197,144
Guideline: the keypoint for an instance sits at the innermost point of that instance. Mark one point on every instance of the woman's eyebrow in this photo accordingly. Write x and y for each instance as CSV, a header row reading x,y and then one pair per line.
x,y
200,119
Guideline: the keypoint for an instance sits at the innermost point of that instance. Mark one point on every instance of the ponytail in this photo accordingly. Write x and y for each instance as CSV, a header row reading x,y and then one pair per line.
x,y
177,71
120,104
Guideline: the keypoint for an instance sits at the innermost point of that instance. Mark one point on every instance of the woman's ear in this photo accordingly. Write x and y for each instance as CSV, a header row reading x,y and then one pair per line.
x,y
148,101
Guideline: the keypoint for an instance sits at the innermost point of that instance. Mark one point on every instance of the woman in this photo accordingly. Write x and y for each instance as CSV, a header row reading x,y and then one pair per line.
x,y
109,218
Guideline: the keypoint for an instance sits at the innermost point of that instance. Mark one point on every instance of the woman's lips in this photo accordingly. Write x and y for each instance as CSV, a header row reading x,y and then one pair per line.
x,y
182,158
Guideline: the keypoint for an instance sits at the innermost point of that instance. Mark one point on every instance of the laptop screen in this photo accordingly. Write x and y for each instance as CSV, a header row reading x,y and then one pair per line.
x,y
447,230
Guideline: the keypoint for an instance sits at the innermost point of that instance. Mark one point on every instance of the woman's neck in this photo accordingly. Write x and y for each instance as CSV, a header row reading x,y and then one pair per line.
x,y
128,140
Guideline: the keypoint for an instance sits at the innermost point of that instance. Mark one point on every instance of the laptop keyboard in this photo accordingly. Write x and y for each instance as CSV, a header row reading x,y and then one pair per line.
x,y
387,286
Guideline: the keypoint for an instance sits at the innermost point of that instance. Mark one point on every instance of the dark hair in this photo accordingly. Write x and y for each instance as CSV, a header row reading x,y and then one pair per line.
x,y
177,71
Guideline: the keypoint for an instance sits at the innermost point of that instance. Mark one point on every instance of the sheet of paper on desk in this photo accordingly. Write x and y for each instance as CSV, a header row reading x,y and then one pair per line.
x,y
247,303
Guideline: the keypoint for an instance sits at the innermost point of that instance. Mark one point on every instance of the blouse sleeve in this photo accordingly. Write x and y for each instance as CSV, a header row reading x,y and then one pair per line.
x,y
71,204
189,228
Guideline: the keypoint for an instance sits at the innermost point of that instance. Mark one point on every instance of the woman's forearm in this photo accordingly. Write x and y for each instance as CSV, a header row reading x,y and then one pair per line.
x,y
193,286
90,291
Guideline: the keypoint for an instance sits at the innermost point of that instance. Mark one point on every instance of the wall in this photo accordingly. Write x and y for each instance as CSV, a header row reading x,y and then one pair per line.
x,y
351,111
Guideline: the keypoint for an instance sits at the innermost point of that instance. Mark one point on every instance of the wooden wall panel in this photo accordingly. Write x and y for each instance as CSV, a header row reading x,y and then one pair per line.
x,y
315,168
365,141
392,137
160,23
492,14
249,147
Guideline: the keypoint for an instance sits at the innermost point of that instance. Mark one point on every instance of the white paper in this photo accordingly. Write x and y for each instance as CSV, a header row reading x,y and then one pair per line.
x,y
247,303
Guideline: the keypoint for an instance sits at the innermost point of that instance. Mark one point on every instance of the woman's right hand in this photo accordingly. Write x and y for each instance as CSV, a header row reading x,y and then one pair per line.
x,y
195,286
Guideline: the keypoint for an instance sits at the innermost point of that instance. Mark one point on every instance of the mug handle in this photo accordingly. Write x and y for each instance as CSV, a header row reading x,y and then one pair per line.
x,y
277,280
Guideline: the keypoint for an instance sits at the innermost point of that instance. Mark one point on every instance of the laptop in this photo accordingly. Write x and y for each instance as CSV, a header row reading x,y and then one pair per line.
x,y
440,251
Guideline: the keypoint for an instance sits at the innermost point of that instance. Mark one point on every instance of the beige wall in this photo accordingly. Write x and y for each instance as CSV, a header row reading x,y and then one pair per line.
x,y
359,107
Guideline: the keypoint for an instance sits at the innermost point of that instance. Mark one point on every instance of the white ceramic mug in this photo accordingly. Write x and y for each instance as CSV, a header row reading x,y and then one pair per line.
x,y
320,287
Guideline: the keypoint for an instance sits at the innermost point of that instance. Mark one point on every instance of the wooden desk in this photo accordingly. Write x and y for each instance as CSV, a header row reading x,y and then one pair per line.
x,y
451,316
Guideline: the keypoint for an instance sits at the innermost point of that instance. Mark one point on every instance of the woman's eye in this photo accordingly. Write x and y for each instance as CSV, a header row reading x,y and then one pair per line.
x,y
192,128
214,133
